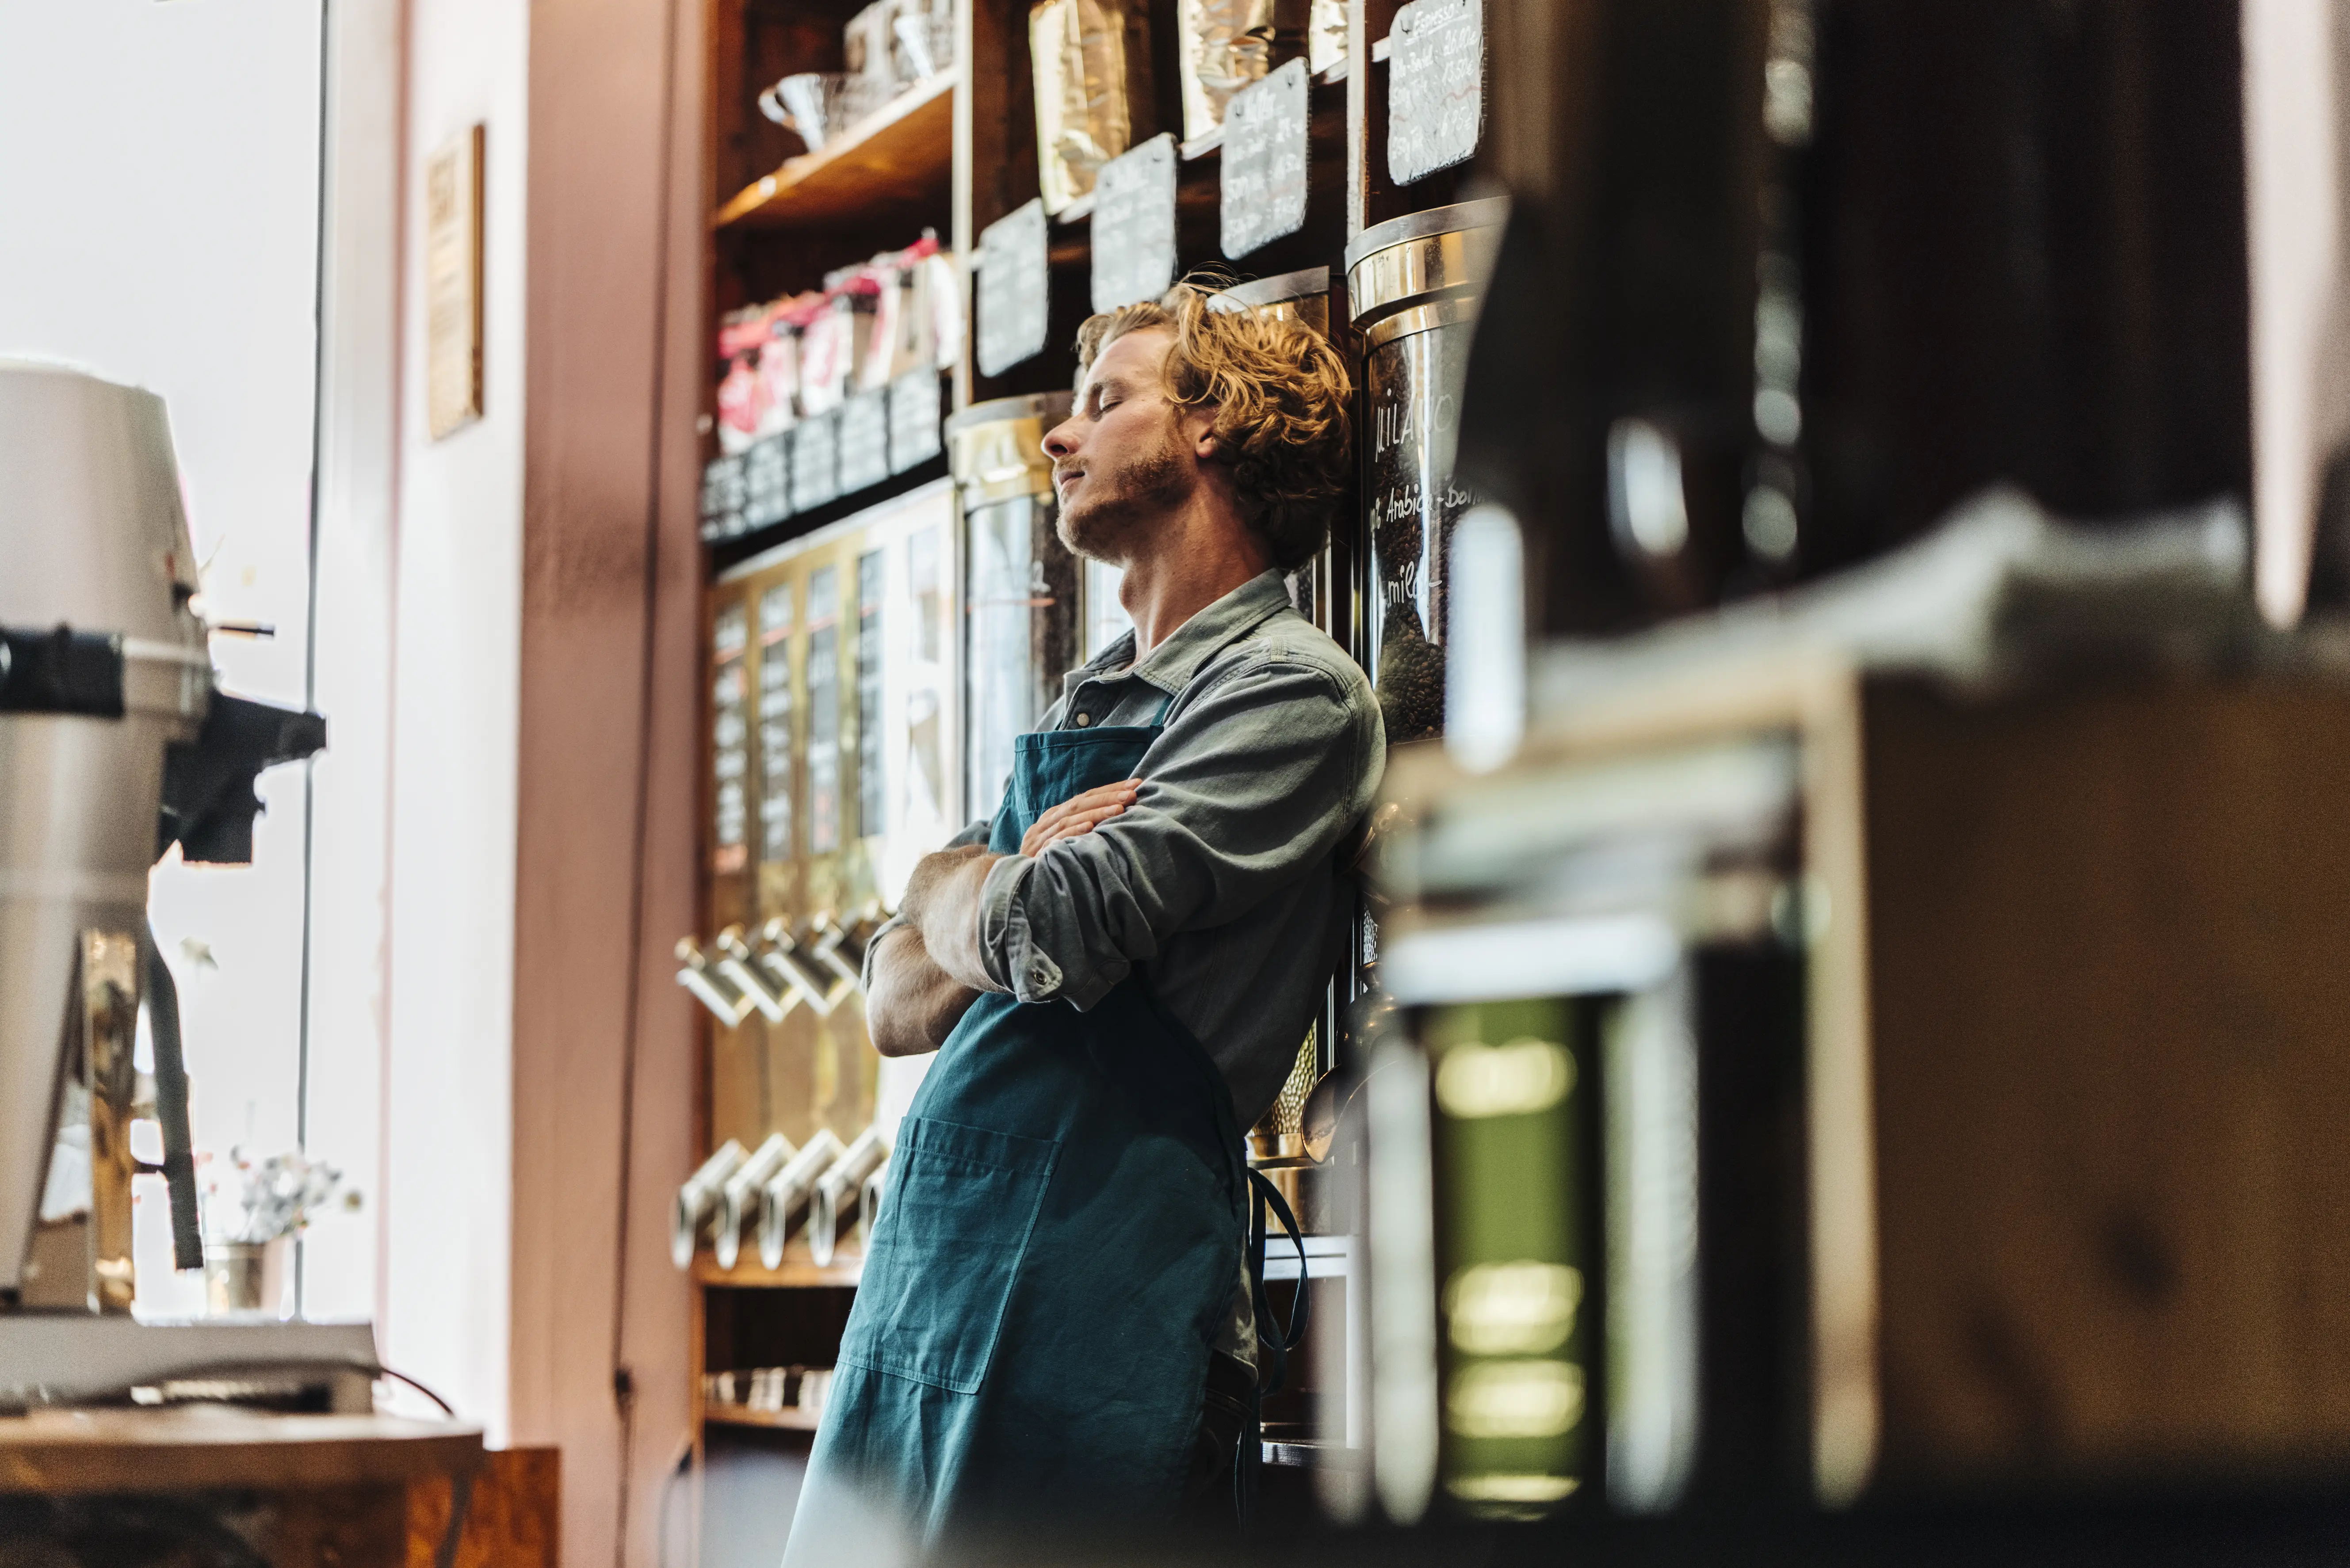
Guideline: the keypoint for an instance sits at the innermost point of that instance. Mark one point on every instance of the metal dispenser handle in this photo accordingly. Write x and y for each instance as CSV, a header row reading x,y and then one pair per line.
x,y
779,955
697,1198
741,1193
784,1198
840,949
734,964
711,989
840,1188
869,1205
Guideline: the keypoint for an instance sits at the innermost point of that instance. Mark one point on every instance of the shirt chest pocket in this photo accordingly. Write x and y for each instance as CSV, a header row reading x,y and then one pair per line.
x,y
946,1248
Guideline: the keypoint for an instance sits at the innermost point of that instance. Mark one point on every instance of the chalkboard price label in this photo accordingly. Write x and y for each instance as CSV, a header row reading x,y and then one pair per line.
x,y
1013,287
766,482
864,451
1263,195
913,420
816,466
1134,224
1436,86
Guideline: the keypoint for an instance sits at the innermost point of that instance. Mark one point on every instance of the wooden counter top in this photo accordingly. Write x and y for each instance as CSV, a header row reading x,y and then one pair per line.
x,y
202,1447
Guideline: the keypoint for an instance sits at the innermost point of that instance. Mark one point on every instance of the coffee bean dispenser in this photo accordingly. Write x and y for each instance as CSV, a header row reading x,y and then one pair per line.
x,y
1414,284
1020,585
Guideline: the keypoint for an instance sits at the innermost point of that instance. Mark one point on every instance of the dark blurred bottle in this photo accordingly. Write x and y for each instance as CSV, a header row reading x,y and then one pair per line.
x,y
1787,279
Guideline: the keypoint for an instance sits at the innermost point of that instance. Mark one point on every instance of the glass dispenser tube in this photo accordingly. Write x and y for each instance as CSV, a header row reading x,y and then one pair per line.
x,y
1020,585
776,722
823,710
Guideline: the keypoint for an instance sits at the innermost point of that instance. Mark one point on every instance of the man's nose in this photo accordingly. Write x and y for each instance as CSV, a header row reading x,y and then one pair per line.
x,y
1059,441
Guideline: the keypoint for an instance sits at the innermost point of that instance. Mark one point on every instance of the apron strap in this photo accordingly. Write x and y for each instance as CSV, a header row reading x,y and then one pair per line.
x,y
1273,1350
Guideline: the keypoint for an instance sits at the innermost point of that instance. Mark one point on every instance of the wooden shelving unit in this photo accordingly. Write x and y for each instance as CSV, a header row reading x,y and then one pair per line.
x,y
901,156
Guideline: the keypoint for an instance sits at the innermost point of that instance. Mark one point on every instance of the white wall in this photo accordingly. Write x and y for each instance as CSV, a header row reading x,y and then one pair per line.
x,y
358,547
160,187
457,625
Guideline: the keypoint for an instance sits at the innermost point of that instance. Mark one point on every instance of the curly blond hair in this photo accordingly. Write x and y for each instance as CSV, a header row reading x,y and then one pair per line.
x,y
1281,395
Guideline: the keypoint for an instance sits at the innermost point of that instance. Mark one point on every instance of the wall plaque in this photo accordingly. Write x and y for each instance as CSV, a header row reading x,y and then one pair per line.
x,y
864,440
1014,285
453,283
1436,86
913,420
1264,193
1134,225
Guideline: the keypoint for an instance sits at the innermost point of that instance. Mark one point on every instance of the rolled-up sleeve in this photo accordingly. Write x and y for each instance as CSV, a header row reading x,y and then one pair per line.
x,y
975,833
1250,787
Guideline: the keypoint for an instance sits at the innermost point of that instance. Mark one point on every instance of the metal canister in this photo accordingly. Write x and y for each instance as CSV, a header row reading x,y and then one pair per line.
x,y
1020,585
1302,297
1320,589
1414,285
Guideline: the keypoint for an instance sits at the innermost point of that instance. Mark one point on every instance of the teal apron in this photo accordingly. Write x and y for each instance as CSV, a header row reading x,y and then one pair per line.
x,y
1060,1243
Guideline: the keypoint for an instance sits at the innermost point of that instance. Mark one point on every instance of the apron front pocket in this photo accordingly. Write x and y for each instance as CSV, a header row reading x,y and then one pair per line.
x,y
946,1248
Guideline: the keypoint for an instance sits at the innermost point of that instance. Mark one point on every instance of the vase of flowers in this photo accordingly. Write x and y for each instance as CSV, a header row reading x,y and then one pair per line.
x,y
249,1254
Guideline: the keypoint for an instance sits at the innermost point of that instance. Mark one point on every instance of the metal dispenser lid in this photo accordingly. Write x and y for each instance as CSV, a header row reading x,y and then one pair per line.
x,y
1302,296
1443,252
996,449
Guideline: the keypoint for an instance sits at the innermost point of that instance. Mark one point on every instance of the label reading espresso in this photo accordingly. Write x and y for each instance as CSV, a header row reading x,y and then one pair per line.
x,y
1264,193
1134,225
1013,287
1436,92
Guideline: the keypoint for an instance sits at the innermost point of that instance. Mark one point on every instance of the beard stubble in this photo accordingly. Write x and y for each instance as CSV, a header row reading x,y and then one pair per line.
x,y
1105,528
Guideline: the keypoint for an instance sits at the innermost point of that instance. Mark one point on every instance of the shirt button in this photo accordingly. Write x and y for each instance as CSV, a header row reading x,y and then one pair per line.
x,y
1084,719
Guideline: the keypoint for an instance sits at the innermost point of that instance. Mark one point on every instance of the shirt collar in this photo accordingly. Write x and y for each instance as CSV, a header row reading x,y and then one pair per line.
x,y
1173,663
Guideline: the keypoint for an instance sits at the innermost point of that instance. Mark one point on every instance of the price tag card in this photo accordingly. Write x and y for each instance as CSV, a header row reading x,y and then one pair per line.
x,y
722,498
1134,225
1436,86
864,440
815,469
913,420
1015,282
766,482
1263,195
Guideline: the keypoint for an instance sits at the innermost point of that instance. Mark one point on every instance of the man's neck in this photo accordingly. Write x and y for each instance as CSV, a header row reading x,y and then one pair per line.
x,y
1196,558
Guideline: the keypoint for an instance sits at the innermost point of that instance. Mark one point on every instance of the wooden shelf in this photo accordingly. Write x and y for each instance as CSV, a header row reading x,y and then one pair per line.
x,y
791,1420
899,158
798,1271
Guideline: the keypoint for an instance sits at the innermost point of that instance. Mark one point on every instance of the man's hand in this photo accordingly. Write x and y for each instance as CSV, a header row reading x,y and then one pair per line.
x,y
1079,814
914,1005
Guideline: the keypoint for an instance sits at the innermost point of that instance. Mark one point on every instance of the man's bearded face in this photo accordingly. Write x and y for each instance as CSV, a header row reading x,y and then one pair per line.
x,y
1122,459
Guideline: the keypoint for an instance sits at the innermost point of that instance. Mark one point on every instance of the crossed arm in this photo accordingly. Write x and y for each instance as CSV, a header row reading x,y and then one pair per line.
x,y
927,973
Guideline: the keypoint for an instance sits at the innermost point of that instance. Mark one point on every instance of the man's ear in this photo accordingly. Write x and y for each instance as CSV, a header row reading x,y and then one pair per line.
x,y
1202,425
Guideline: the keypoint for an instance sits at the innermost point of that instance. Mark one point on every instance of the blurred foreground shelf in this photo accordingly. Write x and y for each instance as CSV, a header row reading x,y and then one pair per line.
x,y
898,158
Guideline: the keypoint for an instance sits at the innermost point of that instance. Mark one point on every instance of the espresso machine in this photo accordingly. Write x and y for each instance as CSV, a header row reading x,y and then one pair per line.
x,y
114,745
